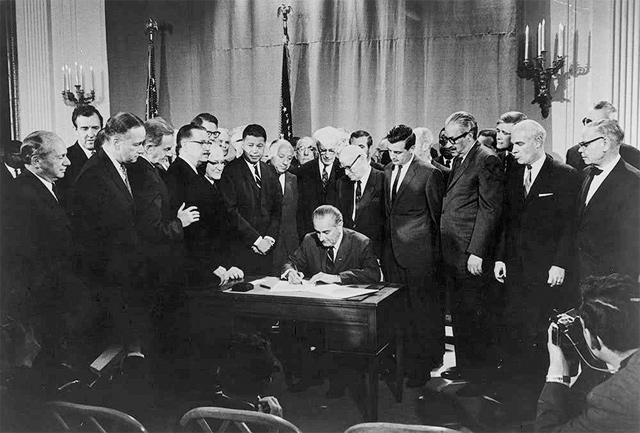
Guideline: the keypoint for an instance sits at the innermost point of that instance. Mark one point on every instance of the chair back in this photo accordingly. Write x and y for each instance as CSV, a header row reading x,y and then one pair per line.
x,y
387,427
243,420
73,417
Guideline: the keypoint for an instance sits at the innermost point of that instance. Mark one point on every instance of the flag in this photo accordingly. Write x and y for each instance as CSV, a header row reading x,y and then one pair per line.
x,y
286,121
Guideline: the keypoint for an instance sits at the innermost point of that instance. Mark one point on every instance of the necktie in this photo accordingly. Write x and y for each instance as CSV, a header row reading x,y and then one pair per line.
x,y
527,180
330,261
593,172
394,188
447,163
325,176
256,176
358,191
126,177
55,192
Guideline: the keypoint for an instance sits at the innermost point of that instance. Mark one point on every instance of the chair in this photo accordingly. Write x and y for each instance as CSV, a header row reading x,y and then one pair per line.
x,y
79,417
387,427
239,418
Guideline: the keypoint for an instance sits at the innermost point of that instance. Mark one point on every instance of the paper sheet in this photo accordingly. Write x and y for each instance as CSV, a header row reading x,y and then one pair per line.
x,y
334,291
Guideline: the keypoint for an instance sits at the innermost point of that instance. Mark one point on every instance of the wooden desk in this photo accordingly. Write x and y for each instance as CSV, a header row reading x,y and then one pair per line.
x,y
365,328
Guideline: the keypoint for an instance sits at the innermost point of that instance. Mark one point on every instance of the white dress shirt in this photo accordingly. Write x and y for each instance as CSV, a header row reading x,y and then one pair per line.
x,y
536,166
46,183
403,173
363,185
597,180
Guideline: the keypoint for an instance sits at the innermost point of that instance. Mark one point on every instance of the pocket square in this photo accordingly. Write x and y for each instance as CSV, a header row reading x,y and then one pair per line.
x,y
545,194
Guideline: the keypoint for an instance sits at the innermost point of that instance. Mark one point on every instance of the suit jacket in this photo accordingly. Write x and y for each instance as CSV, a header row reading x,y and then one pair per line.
x,y
629,153
536,232
312,194
103,214
287,241
252,211
443,169
608,230
370,211
205,240
472,207
610,406
354,261
78,158
412,222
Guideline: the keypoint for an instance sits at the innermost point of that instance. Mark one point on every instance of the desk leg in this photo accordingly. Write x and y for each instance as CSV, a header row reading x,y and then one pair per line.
x,y
372,390
399,364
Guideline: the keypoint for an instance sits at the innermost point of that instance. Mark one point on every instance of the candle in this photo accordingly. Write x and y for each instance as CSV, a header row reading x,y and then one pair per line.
x,y
538,45
81,78
64,78
526,43
93,80
560,40
77,79
68,76
542,35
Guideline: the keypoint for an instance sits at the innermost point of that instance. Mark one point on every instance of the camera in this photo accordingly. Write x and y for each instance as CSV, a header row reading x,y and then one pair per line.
x,y
568,335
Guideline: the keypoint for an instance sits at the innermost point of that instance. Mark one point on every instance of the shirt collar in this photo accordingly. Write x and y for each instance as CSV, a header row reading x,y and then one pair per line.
x,y
338,242
467,152
86,151
45,182
193,167
365,178
608,167
117,164
257,165
406,166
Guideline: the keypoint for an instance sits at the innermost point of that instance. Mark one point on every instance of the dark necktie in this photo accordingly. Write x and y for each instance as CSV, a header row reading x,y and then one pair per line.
x,y
447,163
527,180
358,191
54,189
593,172
394,188
330,261
256,176
325,176
126,177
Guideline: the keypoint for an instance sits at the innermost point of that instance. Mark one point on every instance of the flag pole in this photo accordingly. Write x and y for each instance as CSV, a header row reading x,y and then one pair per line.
x,y
286,121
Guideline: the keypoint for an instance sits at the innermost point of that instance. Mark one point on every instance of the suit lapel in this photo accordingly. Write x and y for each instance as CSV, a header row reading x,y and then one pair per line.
x,y
541,182
411,172
369,189
115,176
46,197
455,175
607,187
387,188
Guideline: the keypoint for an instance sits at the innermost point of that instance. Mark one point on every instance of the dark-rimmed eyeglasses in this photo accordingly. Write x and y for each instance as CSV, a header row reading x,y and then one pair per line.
x,y
350,167
586,121
214,163
213,134
454,140
587,143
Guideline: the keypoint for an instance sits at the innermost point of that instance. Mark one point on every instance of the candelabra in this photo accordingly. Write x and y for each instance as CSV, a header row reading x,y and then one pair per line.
x,y
79,97
535,70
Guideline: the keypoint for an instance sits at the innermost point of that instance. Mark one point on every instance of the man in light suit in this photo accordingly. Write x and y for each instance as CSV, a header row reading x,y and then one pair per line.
x,y
281,155
360,195
535,257
253,199
602,110
608,209
471,212
413,191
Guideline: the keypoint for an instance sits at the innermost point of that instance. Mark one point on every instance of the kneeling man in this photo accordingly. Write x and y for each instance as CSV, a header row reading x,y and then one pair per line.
x,y
332,253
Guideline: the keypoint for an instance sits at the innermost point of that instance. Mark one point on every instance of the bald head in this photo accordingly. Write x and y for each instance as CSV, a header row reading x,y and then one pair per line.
x,y
528,139
281,155
354,160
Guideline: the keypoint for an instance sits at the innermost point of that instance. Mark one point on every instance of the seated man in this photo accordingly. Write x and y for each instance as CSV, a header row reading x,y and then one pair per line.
x,y
333,254
610,315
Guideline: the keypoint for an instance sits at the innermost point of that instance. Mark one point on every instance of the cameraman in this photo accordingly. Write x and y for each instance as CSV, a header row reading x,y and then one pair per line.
x,y
610,317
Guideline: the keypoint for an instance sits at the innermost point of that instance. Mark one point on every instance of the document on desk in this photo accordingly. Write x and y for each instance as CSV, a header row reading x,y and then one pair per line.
x,y
333,291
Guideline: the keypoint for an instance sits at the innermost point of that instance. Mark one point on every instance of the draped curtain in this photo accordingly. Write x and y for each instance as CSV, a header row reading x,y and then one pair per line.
x,y
359,64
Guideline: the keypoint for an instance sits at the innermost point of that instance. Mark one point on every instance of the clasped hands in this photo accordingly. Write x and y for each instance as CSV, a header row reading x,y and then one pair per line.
x,y
296,277
233,273
263,245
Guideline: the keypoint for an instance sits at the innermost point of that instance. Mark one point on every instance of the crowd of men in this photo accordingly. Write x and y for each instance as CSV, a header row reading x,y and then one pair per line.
x,y
103,235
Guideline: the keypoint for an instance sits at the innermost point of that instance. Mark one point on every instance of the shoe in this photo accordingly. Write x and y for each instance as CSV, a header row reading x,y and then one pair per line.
x,y
452,373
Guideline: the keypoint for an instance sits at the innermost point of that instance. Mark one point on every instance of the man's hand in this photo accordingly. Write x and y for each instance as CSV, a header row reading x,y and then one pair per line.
x,y
274,406
221,272
234,273
474,265
558,365
188,215
321,277
556,276
295,277
263,246
500,271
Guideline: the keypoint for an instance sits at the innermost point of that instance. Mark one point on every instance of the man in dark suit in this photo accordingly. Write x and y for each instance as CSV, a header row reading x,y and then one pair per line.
x,y
360,195
602,110
87,121
253,198
608,210
204,240
332,254
10,169
288,241
40,286
317,179
471,212
535,257
413,191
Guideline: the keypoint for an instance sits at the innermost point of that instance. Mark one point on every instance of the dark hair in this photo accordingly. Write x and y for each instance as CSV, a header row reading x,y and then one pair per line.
x,y
254,131
185,133
156,128
362,133
402,132
85,111
491,133
38,143
611,310
465,120
204,117
247,365
121,123
327,209
512,117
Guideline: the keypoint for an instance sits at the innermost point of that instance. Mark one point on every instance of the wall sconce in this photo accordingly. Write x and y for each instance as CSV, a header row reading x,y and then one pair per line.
x,y
78,97
536,71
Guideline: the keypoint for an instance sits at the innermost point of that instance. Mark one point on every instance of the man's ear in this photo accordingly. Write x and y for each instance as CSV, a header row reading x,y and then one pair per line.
x,y
594,342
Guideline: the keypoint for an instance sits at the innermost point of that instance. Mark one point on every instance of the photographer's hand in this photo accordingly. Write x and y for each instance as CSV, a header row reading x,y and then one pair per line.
x,y
274,406
558,365
556,276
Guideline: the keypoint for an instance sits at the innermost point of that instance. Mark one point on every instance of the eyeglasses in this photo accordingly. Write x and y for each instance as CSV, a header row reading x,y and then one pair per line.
x,y
201,143
213,134
587,143
586,121
455,139
214,163
350,167
330,151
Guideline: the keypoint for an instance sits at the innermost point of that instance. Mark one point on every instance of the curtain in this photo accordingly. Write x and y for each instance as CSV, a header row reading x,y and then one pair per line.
x,y
356,64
